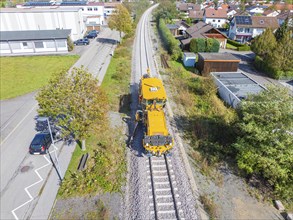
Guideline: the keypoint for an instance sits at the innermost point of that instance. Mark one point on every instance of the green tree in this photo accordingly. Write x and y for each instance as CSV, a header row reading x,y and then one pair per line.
x,y
265,43
265,145
166,10
75,101
121,20
282,30
282,57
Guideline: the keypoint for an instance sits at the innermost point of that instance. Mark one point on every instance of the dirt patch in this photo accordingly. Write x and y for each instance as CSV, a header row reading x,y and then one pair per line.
x,y
106,206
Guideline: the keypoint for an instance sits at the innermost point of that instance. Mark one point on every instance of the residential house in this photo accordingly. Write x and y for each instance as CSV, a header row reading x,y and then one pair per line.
x,y
231,13
283,7
196,15
203,30
283,16
244,28
178,29
173,29
271,13
187,7
182,27
33,42
216,17
21,19
256,9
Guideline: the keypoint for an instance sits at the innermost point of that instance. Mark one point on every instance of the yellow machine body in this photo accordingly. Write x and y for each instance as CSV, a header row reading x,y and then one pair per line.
x,y
152,93
157,140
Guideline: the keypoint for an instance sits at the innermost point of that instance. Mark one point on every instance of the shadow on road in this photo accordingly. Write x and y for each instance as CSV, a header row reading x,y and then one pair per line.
x,y
107,40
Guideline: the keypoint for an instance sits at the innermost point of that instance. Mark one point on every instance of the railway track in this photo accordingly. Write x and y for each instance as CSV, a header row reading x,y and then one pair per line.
x,y
164,199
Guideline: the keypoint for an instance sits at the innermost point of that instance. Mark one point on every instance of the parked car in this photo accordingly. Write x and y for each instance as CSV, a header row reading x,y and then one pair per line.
x,y
41,143
83,41
92,34
42,126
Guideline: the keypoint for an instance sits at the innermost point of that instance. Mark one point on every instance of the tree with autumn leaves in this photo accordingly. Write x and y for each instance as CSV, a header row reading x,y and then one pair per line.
x,y
75,102
120,20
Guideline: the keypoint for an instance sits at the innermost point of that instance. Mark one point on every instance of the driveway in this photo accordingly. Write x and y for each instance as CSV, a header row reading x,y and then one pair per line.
x,y
246,66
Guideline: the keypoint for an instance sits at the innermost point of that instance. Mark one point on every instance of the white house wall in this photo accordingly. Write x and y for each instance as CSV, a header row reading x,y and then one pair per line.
x,y
228,96
257,31
215,22
46,20
34,47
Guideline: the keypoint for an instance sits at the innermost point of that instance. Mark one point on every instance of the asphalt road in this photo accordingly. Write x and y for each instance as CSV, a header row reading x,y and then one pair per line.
x,y
24,192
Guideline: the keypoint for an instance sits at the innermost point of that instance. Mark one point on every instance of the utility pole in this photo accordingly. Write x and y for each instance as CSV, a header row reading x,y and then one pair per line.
x,y
57,168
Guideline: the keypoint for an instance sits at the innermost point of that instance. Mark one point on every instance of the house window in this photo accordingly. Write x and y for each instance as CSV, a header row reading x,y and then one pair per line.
x,y
261,21
39,44
219,20
27,45
95,9
239,29
89,9
246,30
214,20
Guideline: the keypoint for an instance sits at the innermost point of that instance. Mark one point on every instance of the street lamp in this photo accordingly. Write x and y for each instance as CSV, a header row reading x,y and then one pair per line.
x,y
58,168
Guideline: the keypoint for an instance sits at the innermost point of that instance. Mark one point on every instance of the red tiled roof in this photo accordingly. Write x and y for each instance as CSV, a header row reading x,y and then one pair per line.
x,y
213,13
264,22
280,6
196,14
95,4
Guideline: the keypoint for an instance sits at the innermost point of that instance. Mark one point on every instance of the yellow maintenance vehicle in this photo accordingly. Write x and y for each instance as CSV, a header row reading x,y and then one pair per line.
x,y
157,140
152,98
152,93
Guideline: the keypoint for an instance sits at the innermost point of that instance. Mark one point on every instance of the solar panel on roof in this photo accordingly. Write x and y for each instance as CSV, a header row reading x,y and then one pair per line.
x,y
245,20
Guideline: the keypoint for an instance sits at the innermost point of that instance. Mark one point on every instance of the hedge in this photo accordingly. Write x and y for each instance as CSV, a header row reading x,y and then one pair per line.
x,y
198,45
234,43
244,48
169,41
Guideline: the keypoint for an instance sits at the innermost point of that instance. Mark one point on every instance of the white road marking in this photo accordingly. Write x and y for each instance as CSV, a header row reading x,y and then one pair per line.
x,y
30,111
40,180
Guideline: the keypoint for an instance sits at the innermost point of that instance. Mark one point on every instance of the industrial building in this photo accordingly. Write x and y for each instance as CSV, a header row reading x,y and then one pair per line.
x,y
33,42
235,86
24,19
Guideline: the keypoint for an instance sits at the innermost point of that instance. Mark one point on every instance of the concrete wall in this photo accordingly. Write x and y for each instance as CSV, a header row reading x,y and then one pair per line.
x,y
226,94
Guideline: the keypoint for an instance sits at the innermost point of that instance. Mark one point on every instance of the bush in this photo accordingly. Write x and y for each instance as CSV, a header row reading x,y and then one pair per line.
x,y
209,44
244,48
169,41
201,45
234,43
215,46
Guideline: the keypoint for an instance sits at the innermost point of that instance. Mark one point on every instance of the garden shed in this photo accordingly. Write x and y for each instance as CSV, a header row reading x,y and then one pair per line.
x,y
189,59
217,62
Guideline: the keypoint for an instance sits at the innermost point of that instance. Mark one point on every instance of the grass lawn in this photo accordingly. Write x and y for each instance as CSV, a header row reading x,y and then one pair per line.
x,y
22,75
230,46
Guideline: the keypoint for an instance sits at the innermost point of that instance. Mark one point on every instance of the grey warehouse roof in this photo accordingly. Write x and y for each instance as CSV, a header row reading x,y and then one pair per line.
x,y
34,35
218,56
238,83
